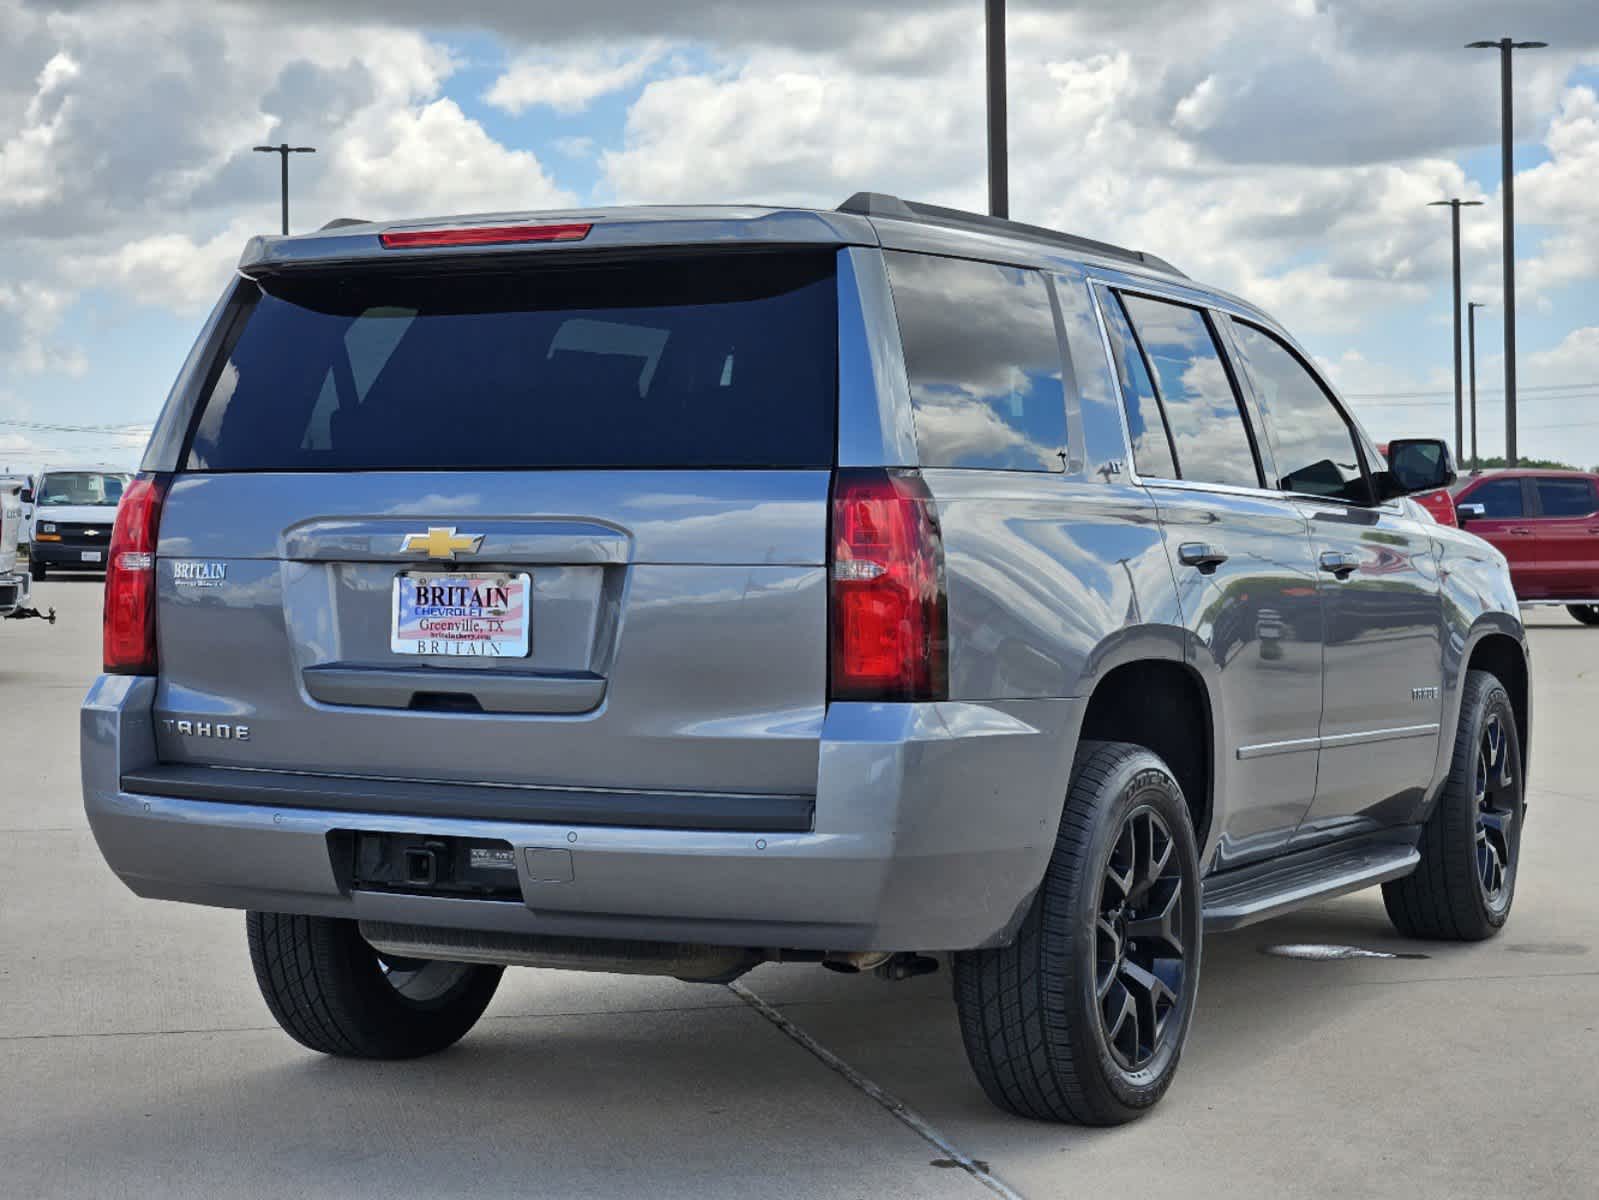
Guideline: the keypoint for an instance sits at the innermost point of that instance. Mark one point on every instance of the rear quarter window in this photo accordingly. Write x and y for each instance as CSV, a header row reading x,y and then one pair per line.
x,y
1565,497
715,361
984,363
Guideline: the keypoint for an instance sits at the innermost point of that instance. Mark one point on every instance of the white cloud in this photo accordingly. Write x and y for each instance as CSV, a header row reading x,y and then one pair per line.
x,y
433,159
571,81
29,173
1574,359
172,270
30,313
1560,194
1103,142
165,189
1284,151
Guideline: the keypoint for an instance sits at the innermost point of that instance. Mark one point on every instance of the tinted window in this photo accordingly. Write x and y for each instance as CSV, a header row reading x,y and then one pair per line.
x,y
724,362
1498,497
1311,443
1565,497
984,363
1211,440
1152,454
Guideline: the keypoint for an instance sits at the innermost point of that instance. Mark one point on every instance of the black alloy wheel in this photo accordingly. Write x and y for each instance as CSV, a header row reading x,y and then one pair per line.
x,y
1497,799
1082,1017
1140,952
1470,844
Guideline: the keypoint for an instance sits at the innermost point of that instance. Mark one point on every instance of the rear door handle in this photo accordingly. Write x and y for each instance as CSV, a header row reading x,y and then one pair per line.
x,y
1339,564
1202,555
1519,531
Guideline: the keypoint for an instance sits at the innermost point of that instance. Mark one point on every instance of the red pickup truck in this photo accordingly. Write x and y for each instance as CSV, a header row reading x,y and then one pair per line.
x,y
1547,524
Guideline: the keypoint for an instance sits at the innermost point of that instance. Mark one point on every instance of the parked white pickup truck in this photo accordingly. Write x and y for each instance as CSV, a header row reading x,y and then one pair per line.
x,y
13,582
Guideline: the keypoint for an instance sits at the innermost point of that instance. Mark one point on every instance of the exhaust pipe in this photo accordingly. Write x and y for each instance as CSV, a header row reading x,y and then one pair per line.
x,y
687,961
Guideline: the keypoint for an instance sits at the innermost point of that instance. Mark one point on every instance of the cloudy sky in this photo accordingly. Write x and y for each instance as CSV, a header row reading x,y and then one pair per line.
x,y
1285,149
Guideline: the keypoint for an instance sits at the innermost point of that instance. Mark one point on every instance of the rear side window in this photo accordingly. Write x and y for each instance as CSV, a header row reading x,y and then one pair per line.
x,y
984,363
1565,497
1311,443
1152,454
1207,426
1498,497
726,361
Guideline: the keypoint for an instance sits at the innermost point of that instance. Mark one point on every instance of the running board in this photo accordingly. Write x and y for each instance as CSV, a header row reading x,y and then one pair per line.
x,y
1250,894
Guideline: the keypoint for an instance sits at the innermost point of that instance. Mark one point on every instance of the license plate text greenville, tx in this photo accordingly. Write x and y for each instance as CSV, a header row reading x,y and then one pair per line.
x,y
480,616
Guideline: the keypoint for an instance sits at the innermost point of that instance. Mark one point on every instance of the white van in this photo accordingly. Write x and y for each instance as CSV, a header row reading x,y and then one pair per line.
x,y
73,511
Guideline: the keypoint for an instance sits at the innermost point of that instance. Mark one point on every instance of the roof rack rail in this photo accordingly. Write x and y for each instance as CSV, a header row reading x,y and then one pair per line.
x,y
341,222
878,204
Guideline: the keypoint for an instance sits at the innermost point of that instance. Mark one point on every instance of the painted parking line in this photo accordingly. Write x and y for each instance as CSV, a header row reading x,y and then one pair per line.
x,y
895,1107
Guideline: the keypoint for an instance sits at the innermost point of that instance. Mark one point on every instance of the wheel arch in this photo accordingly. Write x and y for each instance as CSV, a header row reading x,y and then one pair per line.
x,y
1505,657
1496,644
1164,705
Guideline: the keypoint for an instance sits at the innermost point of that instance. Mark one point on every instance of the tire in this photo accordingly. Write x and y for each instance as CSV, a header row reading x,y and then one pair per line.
x,y
37,570
1031,1013
1472,840
332,992
1588,614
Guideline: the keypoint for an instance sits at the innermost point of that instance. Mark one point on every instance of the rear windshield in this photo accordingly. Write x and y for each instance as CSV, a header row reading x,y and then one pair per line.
x,y
726,361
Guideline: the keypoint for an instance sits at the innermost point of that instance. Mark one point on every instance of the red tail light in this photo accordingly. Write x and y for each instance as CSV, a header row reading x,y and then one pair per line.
x,y
130,579
890,633
483,235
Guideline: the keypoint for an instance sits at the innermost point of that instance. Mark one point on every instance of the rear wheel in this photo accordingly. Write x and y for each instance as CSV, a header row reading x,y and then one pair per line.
x,y
1083,1017
1471,845
1588,614
334,993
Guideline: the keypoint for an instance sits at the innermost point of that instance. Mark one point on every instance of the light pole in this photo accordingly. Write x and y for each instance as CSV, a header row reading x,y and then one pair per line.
x,y
1471,337
1507,185
998,168
1455,206
285,150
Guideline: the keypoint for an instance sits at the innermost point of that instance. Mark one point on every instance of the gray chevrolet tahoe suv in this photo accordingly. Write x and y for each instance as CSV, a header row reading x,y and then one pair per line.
x,y
676,589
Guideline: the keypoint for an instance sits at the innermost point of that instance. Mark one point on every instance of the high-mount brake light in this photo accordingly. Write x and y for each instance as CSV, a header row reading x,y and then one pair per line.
x,y
483,235
889,613
130,578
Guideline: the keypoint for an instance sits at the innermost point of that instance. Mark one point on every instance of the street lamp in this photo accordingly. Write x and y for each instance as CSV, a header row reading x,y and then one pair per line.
x,y
285,150
1454,223
1507,185
1471,328
998,168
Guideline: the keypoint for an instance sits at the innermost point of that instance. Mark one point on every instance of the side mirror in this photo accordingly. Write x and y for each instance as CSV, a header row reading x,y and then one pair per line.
x,y
27,495
1416,465
1469,512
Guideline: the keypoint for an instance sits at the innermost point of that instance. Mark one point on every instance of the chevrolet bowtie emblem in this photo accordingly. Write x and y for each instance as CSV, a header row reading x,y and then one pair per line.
x,y
441,542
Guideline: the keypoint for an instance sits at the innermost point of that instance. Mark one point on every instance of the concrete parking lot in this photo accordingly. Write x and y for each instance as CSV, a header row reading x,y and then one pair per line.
x,y
136,1057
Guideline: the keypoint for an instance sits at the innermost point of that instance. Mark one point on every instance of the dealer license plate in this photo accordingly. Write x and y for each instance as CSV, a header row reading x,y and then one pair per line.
x,y
463,615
